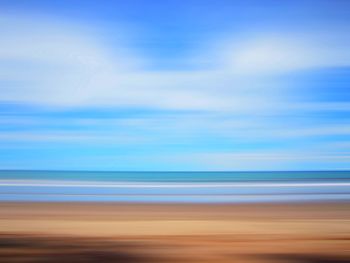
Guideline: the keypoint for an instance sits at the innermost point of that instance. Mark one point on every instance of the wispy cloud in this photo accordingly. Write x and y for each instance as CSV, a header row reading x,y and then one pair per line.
x,y
283,52
50,63
244,108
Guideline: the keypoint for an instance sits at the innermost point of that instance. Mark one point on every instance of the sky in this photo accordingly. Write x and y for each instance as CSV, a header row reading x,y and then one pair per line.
x,y
165,85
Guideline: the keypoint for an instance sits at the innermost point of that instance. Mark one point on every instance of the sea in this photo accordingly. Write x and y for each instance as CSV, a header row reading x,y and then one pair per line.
x,y
174,187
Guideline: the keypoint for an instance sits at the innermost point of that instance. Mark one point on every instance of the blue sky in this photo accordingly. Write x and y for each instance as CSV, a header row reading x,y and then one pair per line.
x,y
175,85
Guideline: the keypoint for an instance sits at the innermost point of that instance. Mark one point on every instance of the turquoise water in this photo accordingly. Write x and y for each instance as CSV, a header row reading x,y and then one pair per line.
x,y
173,176
168,187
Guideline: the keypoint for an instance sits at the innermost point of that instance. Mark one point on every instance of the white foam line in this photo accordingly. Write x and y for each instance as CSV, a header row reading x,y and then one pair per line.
x,y
31,183
179,196
173,195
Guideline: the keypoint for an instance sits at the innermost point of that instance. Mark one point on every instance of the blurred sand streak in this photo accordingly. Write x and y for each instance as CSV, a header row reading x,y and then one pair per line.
x,y
314,233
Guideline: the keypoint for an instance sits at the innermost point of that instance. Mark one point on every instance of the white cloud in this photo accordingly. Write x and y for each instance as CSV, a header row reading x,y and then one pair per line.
x,y
52,64
240,97
56,64
282,53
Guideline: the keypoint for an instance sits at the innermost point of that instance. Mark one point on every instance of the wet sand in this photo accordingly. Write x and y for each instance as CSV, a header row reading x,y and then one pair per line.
x,y
110,232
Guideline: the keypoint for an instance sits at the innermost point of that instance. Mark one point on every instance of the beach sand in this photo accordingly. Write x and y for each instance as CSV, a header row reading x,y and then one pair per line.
x,y
112,232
